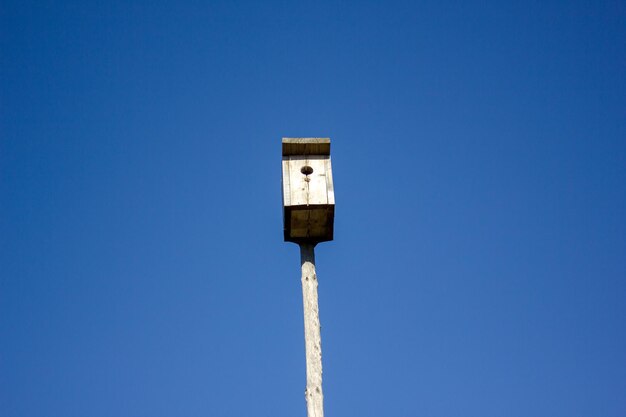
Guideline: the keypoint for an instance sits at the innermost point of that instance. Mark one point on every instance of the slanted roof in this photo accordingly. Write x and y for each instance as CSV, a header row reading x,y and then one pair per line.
x,y
306,146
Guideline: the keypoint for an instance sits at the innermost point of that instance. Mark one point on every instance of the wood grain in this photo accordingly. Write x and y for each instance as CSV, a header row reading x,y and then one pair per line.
x,y
312,336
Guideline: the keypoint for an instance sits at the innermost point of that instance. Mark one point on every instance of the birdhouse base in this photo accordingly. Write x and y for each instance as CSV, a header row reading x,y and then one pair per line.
x,y
309,224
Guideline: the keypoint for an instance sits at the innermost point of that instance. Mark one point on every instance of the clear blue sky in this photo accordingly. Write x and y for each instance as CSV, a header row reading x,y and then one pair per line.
x,y
479,157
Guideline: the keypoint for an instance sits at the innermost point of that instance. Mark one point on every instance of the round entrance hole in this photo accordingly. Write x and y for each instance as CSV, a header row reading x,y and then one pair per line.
x,y
306,170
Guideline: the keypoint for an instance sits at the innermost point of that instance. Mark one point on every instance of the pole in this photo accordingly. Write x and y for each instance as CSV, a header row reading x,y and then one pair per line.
x,y
312,339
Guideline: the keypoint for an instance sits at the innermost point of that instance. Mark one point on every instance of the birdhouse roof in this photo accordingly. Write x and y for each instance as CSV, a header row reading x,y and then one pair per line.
x,y
306,146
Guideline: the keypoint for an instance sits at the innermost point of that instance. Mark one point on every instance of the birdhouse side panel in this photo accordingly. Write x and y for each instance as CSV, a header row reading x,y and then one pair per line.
x,y
330,188
286,184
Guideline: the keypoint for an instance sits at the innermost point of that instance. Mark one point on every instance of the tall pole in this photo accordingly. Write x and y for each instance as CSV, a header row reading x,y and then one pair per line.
x,y
308,219
312,337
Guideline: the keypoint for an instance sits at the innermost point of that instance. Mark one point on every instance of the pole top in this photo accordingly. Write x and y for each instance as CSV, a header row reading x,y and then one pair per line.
x,y
306,146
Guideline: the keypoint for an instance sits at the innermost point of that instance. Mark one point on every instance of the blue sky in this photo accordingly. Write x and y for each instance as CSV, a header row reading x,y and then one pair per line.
x,y
479,261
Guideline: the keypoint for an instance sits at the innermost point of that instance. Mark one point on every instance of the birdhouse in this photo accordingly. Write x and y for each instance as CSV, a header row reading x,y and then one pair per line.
x,y
308,195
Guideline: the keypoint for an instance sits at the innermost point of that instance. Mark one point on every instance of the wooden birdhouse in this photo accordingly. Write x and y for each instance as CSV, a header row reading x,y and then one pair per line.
x,y
308,195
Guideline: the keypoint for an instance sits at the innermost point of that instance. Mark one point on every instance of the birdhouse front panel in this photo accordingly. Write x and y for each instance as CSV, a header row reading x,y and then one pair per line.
x,y
306,177
308,194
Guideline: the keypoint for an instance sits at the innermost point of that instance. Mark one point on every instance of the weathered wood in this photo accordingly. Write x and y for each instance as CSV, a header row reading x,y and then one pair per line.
x,y
305,189
286,184
330,188
306,146
312,337
312,224
308,192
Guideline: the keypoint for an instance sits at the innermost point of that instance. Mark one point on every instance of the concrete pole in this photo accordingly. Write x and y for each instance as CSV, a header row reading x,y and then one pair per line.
x,y
312,338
